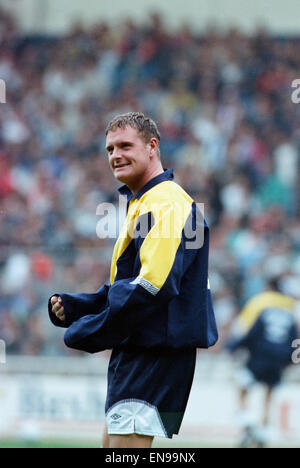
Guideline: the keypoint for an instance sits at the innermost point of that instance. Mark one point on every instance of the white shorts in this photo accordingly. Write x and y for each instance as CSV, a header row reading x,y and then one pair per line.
x,y
134,416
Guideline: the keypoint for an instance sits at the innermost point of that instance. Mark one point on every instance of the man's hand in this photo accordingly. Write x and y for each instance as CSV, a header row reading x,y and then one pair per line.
x,y
57,307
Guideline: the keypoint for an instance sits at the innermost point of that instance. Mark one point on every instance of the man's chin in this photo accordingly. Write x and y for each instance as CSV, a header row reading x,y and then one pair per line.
x,y
122,178
125,177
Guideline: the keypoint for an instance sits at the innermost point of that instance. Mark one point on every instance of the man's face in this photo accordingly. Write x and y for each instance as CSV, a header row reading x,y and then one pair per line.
x,y
129,155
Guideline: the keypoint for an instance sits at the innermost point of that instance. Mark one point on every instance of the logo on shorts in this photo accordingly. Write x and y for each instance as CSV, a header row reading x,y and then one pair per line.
x,y
115,416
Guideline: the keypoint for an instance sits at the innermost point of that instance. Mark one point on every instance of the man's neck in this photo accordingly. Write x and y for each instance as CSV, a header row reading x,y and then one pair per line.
x,y
157,171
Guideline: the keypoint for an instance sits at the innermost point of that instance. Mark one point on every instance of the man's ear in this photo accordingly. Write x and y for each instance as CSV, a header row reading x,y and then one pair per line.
x,y
153,143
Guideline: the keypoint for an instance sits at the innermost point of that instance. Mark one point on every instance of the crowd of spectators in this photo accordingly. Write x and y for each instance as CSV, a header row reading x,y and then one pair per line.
x,y
222,101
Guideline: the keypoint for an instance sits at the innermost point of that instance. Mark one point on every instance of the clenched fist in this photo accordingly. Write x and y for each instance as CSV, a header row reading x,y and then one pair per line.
x,y
57,307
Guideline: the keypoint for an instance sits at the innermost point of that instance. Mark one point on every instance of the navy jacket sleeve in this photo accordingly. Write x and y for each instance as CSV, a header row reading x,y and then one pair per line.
x,y
77,306
129,304
233,345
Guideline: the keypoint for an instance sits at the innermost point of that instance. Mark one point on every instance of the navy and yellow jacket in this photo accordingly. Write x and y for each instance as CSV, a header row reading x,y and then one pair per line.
x,y
266,327
159,292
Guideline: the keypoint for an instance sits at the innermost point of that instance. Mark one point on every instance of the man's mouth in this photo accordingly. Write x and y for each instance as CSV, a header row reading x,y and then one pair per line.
x,y
121,165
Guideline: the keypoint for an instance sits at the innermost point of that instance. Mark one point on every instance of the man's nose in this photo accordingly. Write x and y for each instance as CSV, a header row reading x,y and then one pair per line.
x,y
115,158
117,153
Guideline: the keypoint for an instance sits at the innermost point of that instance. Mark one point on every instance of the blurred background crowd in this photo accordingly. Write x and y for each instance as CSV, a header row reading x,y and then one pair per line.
x,y
229,129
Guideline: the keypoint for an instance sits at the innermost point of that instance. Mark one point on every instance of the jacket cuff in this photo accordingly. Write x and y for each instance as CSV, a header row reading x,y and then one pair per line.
x,y
55,320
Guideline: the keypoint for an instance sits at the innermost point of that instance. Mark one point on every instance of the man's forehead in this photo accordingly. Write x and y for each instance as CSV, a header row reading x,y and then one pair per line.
x,y
121,133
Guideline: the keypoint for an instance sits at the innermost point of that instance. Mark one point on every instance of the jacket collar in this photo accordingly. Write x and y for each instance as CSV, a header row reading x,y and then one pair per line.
x,y
168,174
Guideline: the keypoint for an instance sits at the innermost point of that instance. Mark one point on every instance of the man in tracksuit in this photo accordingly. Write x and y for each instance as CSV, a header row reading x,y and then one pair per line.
x,y
266,328
157,309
